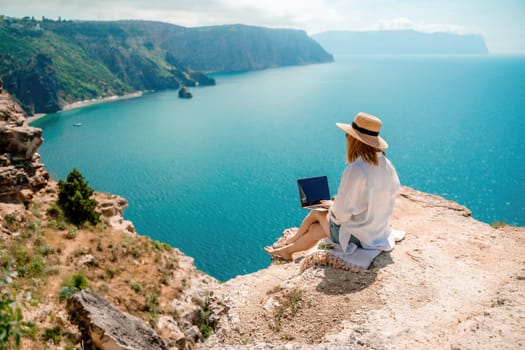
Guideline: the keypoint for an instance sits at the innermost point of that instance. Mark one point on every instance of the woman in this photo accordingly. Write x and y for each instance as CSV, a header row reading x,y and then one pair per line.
x,y
361,211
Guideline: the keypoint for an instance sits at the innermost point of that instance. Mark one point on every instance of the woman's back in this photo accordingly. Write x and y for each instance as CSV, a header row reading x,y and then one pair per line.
x,y
369,202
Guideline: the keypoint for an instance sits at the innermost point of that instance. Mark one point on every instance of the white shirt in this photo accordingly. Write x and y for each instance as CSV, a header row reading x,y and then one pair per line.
x,y
364,203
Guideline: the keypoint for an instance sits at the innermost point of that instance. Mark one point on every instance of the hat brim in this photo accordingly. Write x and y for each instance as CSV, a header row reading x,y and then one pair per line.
x,y
374,141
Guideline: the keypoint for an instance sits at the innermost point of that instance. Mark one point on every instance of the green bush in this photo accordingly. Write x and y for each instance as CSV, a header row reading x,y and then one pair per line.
x,y
54,334
498,224
158,245
72,285
205,331
12,326
205,326
79,281
136,288
10,219
44,250
66,292
54,211
34,227
72,234
36,266
21,255
74,199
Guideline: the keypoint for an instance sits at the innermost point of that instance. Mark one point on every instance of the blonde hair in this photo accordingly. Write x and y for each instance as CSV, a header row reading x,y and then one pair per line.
x,y
356,149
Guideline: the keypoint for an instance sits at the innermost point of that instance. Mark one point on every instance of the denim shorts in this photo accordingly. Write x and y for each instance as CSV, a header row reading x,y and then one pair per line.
x,y
334,234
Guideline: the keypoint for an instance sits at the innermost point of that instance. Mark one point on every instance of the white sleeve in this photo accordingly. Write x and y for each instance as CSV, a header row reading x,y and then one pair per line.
x,y
352,195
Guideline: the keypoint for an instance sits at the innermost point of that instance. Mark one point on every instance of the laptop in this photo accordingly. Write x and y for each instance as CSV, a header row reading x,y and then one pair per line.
x,y
312,190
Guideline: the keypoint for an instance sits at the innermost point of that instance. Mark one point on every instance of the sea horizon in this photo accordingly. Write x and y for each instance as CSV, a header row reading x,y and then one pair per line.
x,y
79,104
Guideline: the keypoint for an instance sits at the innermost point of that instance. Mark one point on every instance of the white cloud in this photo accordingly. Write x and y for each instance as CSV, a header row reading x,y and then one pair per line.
x,y
280,13
310,15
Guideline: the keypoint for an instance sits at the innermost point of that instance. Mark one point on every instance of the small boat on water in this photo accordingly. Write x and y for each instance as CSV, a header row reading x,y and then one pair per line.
x,y
77,124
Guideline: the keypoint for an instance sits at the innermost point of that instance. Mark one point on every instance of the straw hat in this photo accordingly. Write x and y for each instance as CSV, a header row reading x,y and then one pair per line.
x,y
365,128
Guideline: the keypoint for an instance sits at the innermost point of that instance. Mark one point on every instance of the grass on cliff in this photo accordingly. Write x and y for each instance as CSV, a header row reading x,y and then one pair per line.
x,y
42,266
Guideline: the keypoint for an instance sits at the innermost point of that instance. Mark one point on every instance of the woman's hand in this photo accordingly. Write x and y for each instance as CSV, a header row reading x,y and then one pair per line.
x,y
326,203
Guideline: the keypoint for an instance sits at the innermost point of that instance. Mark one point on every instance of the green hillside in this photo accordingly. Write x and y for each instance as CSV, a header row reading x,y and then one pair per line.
x,y
37,65
47,64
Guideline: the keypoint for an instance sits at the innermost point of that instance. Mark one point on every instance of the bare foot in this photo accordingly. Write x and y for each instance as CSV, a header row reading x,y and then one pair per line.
x,y
285,238
290,235
279,253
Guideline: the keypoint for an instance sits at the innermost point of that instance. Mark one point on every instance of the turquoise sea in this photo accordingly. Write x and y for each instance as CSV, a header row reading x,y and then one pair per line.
x,y
216,175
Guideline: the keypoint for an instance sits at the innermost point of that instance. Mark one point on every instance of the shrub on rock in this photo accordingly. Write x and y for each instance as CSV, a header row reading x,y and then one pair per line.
x,y
74,197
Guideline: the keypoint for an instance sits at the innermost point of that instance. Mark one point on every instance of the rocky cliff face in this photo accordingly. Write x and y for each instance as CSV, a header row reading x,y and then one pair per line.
x,y
21,172
236,48
35,85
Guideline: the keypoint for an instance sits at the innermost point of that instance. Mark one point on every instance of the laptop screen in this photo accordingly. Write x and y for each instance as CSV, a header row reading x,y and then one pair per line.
x,y
313,189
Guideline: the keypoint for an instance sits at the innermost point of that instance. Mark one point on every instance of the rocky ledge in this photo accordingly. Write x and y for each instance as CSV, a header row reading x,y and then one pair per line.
x,y
452,283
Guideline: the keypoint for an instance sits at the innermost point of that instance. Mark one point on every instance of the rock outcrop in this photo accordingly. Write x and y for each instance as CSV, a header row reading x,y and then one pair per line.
x,y
184,92
112,208
104,327
21,172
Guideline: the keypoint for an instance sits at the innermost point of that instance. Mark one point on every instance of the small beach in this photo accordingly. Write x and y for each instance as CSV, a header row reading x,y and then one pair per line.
x,y
85,103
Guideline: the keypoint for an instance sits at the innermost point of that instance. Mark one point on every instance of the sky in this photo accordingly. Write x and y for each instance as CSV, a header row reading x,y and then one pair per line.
x,y
500,22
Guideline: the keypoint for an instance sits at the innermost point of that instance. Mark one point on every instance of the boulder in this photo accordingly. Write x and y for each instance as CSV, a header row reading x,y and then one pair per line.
x,y
104,327
169,329
184,92
21,142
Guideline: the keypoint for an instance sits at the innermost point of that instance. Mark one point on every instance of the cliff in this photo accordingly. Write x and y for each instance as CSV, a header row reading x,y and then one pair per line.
x,y
400,42
452,283
235,48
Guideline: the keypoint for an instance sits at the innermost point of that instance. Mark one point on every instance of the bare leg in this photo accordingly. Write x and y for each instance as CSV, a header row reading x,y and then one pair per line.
x,y
306,241
314,216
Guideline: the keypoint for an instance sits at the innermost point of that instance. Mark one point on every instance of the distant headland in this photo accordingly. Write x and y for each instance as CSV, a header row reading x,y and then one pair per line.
x,y
400,42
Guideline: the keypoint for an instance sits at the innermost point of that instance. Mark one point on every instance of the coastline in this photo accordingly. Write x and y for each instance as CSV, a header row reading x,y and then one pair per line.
x,y
84,103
